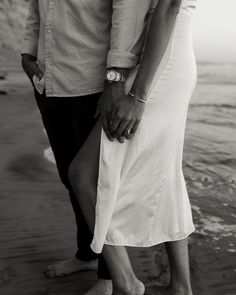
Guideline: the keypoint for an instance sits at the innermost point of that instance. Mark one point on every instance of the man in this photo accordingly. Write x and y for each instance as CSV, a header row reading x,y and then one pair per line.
x,y
68,49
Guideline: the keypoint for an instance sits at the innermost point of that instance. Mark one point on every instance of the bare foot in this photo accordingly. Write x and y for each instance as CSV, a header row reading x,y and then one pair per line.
x,y
159,289
103,287
69,266
136,288
163,291
141,288
170,291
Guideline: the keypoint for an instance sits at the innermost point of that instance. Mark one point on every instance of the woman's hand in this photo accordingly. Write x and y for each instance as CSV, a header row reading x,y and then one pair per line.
x,y
126,117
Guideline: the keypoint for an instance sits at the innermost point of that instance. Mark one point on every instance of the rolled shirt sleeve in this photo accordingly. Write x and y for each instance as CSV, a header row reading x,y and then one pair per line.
x,y
128,32
31,35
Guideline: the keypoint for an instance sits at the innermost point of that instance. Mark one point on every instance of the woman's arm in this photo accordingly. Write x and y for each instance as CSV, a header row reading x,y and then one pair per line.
x,y
159,34
128,19
128,112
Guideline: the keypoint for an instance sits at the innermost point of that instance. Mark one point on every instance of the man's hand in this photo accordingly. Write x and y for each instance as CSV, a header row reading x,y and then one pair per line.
x,y
31,67
125,117
107,102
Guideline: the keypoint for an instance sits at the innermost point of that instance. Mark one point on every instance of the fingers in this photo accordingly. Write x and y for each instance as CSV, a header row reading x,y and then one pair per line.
x,y
113,115
120,130
31,67
97,112
117,125
127,130
121,121
106,128
39,74
114,124
134,128
36,70
124,130
114,121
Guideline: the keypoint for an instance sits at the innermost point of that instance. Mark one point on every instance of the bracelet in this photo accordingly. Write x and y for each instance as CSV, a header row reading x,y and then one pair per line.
x,y
143,100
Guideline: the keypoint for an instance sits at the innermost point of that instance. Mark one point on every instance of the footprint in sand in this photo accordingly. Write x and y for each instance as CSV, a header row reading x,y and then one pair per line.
x,y
30,166
43,292
7,275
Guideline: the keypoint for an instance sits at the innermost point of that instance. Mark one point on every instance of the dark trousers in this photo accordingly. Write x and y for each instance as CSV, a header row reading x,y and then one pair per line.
x,y
68,122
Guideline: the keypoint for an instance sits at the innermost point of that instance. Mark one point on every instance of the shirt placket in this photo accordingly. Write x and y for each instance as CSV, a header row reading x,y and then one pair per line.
x,y
48,47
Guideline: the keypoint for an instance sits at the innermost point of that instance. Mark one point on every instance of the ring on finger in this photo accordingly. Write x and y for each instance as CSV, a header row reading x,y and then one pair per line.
x,y
127,132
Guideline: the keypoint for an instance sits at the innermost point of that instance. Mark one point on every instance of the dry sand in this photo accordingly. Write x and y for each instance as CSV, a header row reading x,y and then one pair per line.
x,y
36,221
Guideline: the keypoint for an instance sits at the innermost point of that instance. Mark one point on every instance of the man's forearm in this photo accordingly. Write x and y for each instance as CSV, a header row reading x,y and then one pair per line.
x,y
28,57
31,36
128,23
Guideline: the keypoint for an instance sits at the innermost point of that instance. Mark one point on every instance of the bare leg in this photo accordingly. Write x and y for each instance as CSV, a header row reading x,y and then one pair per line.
x,y
124,280
179,264
83,174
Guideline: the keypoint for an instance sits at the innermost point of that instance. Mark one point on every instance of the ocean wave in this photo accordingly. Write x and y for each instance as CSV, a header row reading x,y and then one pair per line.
x,y
213,105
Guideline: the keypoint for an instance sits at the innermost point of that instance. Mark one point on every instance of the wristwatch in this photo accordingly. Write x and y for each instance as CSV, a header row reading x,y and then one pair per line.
x,y
114,76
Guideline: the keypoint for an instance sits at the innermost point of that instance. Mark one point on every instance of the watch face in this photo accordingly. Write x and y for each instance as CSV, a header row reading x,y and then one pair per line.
x,y
111,76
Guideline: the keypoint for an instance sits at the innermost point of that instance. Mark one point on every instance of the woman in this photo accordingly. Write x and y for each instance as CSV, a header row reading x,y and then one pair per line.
x,y
138,187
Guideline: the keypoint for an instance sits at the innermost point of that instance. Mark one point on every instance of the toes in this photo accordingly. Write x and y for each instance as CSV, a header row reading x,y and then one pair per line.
x,y
53,274
52,271
51,267
68,267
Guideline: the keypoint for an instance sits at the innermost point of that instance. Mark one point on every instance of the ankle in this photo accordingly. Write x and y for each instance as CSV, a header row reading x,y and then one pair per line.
x,y
124,284
129,287
179,288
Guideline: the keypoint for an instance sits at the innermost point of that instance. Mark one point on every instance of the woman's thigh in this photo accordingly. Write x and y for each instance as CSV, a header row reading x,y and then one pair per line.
x,y
85,166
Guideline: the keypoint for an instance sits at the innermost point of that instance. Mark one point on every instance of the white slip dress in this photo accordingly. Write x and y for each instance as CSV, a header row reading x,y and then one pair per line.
x,y
141,193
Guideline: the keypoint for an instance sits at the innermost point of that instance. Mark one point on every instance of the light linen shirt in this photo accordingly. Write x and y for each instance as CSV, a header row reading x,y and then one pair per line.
x,y
76,40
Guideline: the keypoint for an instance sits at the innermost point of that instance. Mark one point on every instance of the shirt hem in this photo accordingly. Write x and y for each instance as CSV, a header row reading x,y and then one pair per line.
x,y
81,93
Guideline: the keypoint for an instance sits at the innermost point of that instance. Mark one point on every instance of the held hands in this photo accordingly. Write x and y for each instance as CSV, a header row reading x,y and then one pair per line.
x,y
120,113
125,117
31,67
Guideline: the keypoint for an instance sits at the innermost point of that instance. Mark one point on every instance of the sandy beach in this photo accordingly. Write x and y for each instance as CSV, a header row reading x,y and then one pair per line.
x,y
36,222
37,225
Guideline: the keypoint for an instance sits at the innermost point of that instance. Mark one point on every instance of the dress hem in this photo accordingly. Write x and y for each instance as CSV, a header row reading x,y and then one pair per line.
x,y
146,245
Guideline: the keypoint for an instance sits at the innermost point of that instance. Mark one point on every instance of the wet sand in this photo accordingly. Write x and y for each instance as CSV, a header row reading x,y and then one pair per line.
x,y
36,221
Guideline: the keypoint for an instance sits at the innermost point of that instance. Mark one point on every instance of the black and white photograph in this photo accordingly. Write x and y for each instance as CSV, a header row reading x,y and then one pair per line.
x,y
117,147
